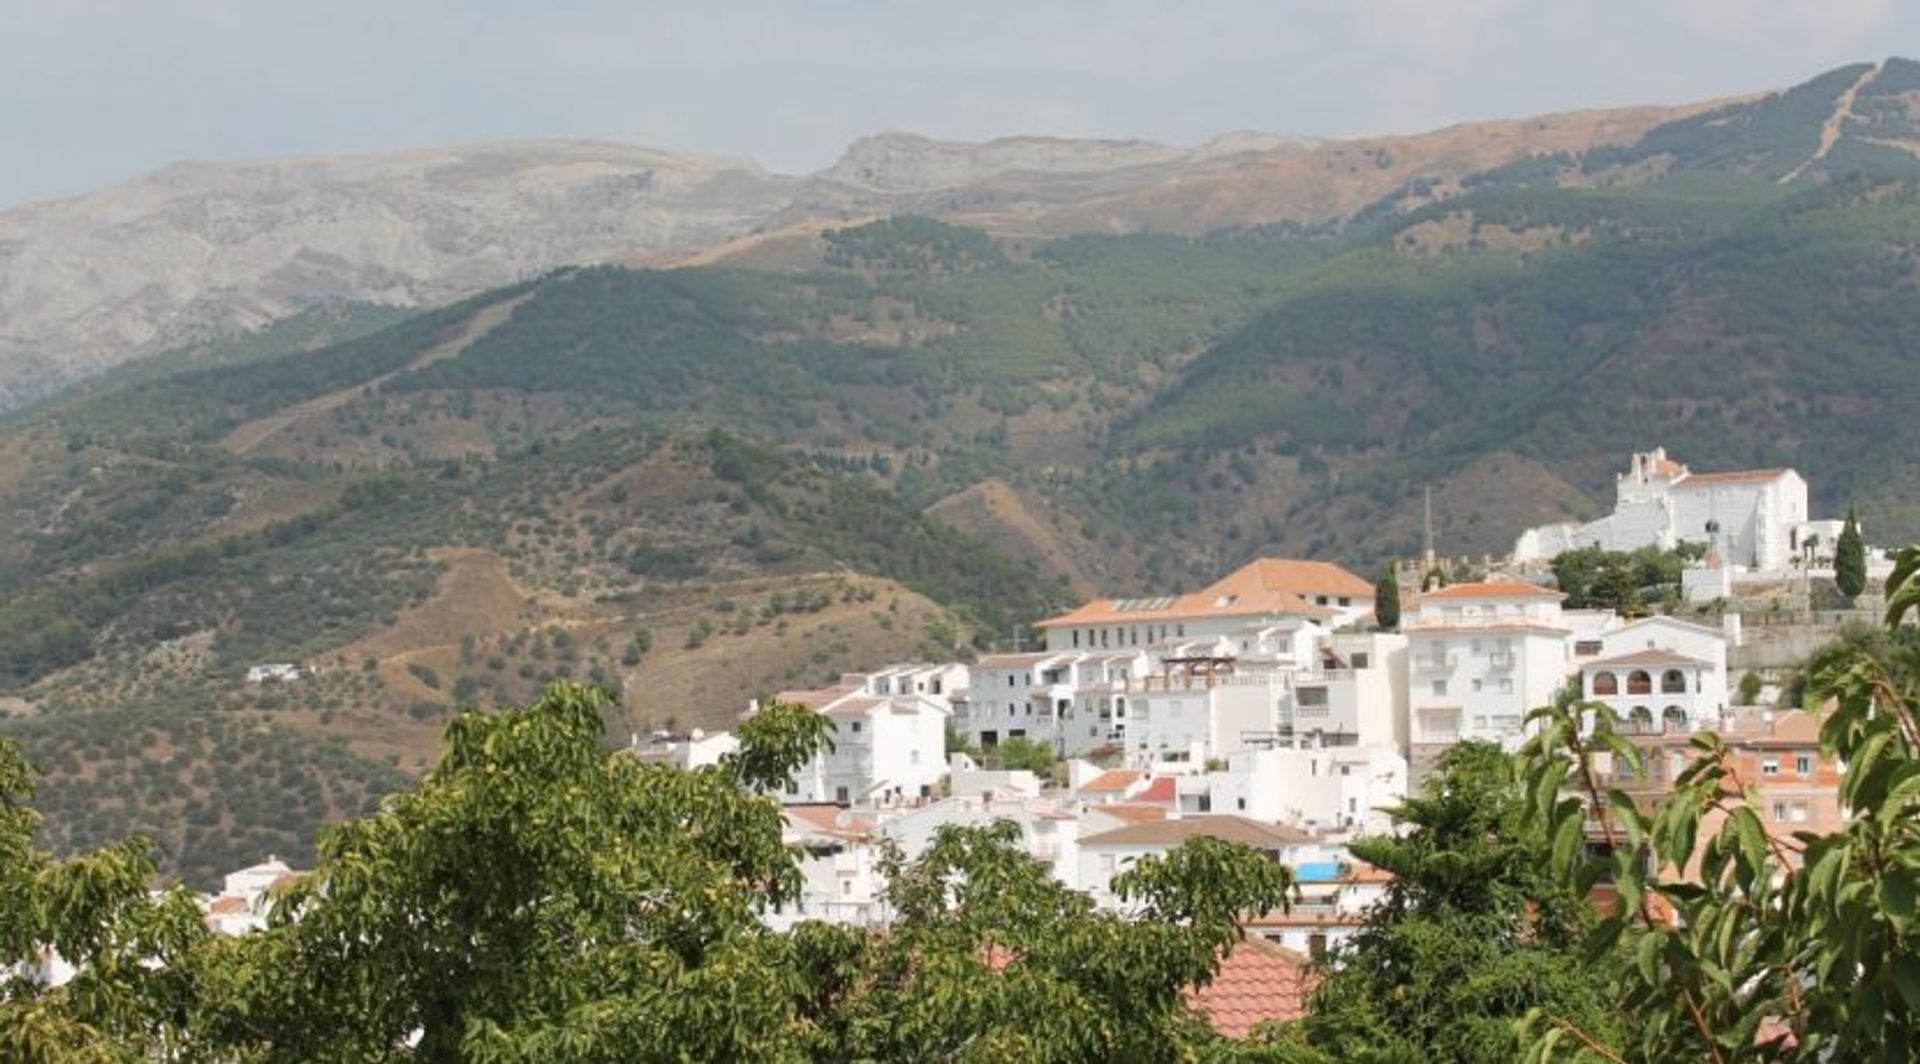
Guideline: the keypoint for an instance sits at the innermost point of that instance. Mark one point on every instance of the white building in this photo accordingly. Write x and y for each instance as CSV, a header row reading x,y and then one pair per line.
x,y
1481,656
890,734
1074,702
1339,789
697,749
1660,674
1753,518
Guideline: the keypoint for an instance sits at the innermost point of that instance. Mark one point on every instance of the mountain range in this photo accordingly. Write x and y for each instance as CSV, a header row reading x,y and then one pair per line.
x,y
713,432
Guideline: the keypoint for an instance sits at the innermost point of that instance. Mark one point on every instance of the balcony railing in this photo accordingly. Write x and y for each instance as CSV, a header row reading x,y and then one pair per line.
x,y
1500,659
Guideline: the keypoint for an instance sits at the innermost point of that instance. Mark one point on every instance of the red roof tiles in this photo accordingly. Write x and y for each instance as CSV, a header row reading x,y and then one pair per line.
x,y
1258,982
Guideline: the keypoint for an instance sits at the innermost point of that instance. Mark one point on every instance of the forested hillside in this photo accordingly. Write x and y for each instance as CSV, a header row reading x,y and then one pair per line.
x,y
908,438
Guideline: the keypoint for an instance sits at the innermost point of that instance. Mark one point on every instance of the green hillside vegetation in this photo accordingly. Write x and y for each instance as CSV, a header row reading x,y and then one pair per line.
x,y
689,452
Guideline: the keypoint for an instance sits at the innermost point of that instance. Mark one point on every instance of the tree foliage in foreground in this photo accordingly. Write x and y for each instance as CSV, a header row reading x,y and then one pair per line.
x,y
536,898
1469,937
1739,945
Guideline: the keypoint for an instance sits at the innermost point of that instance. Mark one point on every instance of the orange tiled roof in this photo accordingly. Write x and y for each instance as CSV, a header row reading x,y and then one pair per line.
x,y
1262,586
1491,589
1649,658
1160,790
228,904
1258,981
1131,813
1734,477
1118,779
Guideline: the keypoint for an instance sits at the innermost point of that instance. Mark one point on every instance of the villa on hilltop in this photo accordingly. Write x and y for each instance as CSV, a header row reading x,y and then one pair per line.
x,y
1753,518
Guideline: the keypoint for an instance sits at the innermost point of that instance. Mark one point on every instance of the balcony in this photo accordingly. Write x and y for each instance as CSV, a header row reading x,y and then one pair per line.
x,y
1500,659
1424,663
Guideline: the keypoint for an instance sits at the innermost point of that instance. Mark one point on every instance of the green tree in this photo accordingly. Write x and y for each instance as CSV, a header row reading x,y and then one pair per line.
x,y
92,911
1750,685
1730,943
1386,600
1850,560
1471,935
1021,752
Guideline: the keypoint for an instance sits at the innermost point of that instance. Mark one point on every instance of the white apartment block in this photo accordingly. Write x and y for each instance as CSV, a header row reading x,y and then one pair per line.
x,y
1659,674
1481,656
1074,702
1755,519
1326,789
889,739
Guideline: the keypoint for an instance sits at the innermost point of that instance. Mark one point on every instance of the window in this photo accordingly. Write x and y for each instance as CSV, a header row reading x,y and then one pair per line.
x,y
1675,718
1439,687
840,795
1475,646
1311,696
1076,637
1639,682
1586,648
846,888
1641,718
1606,683
1476,684
793,786
1673,682
1803,764
1240,804
1770,766
854,727
1359,661
913,757
1320,600
1346,770
1506,685
1346,600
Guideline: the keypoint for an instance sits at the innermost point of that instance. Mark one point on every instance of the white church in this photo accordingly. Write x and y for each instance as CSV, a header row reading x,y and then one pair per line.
x,y
1755,519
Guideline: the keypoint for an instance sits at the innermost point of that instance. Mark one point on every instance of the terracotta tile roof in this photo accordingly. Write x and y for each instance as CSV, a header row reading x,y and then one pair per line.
x,y
1163,789
855,707
228,904
1220,826
1491,589
1304,578
1649,658
1669,468
1735,477
816,699
1118,779
1264,586
1258,981
1131,813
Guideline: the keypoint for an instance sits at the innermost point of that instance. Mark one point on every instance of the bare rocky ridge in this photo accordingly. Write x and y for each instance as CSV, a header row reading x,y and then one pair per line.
x,y
198,250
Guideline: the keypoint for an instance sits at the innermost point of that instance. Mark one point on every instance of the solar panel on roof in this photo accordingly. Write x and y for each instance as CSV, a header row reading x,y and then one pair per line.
x,y
1142,605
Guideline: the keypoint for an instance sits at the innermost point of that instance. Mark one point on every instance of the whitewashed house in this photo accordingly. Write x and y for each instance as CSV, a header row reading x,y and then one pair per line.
x,y
696,749
1326,789
1660,674
1480,657
1073,702
889,738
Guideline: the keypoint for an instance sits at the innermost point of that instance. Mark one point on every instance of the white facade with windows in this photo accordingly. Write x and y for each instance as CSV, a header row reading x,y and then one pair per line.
x,y
1660,674
1343,788
1480,657
889,740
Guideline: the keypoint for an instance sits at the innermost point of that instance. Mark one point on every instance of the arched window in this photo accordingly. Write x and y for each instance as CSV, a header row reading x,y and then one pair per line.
x,y
1639,683
1640,718
1606,683
1673,682
1674,718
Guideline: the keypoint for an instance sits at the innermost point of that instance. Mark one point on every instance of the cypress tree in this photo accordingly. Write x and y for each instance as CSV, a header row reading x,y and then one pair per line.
x,y
1386,600
1850,560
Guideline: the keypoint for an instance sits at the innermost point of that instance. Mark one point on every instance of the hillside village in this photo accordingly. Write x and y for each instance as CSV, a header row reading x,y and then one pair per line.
x,y
1270,708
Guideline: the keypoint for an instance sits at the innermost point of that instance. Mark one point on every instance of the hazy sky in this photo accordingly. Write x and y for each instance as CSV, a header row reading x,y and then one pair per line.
x,y
95,91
